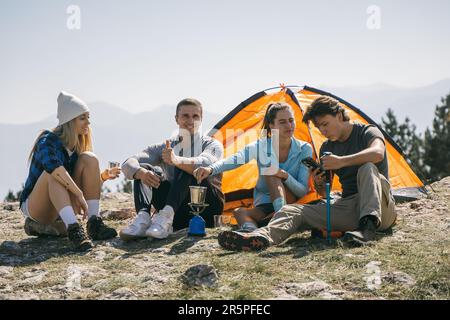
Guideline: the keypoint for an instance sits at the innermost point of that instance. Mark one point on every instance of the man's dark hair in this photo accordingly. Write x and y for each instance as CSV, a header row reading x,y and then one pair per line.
x,y
189,102
324,105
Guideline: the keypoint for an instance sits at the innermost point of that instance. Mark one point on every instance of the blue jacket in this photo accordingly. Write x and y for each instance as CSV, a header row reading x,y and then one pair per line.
x,y
50,154
268,164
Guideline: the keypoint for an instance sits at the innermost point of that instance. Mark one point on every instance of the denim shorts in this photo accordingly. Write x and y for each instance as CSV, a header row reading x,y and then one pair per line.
x,y
25,211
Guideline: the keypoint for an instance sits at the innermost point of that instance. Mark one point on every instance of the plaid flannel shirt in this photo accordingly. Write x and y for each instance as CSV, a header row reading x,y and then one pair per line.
x,y
50,154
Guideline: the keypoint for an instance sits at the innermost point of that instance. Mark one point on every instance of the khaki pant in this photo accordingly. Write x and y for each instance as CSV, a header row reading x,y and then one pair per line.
x,y
374,197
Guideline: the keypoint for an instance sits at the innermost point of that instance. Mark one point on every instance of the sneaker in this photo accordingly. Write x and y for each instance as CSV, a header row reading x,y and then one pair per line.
x,y
161,226
136,230
80,241
235,241
365,233
97,230
55,229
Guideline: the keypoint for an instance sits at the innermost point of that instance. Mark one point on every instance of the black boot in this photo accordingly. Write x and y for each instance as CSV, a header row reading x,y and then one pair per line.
x,y
79,240
366,231
97,230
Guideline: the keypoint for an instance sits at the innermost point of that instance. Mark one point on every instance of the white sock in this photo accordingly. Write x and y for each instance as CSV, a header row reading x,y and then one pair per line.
x,y
93,207
68,216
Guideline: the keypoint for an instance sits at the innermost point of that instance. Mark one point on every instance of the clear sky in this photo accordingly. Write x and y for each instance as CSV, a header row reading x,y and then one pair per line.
x,y
142,54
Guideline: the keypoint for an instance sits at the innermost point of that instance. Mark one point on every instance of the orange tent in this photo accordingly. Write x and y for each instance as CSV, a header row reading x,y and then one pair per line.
x,y
238,128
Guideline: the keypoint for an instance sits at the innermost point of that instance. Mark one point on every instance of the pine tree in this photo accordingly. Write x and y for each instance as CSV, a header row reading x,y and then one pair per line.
x,y
10,197
437,143
126,186
19,193
390,125
409,141
106,189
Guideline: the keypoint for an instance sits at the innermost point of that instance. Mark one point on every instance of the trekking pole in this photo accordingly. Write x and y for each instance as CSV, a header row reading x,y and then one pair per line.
x,y
328,191
327,186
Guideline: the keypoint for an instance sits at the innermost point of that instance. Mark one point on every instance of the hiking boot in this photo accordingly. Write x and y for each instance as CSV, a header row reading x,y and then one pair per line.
x,y
97,230
322,234
55,229
236,241
316,234
365,233
80,241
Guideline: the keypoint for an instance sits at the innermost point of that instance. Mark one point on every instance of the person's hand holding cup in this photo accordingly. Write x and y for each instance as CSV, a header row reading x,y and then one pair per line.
x,y
112,172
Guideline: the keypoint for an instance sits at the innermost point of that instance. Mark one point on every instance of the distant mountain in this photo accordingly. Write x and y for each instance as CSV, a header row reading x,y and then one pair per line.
x,y
416,103
117,135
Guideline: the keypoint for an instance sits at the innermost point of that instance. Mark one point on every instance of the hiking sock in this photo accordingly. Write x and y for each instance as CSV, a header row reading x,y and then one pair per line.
x,y
278,203
93,208
249,226
68,216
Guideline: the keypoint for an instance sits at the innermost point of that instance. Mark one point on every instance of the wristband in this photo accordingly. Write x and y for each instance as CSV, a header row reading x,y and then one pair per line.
x,y
102,175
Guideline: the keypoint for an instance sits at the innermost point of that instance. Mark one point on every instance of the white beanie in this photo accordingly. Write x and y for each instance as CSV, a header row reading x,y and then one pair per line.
x,y
69,107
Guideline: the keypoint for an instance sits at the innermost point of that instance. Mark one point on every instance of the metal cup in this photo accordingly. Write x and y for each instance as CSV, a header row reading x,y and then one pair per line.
x,y
198,194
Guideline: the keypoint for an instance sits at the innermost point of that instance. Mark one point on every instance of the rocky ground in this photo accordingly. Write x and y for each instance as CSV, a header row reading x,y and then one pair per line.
x,y
411,263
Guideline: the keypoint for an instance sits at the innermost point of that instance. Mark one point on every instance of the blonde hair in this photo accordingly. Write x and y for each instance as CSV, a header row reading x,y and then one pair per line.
x,y
69,138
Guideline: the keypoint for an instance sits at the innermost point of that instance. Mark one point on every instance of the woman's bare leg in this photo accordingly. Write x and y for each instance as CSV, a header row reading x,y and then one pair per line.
x,y
47,199
277,189
244,215
87,175
49,196
290,197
